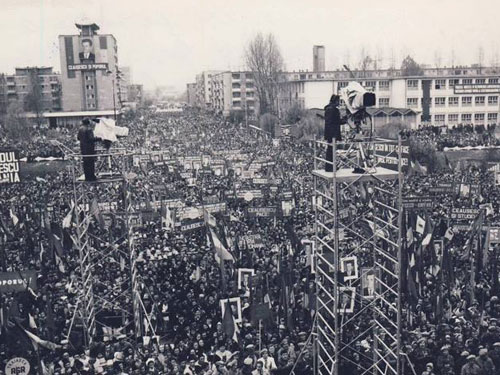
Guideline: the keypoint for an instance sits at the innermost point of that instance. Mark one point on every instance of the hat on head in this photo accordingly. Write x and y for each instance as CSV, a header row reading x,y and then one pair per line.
x,y
465,353
429,365
471,356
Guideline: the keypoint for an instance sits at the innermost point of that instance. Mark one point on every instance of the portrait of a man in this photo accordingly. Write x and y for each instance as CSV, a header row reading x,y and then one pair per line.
x,y
346,299
438,249
349,268
369,285
87,56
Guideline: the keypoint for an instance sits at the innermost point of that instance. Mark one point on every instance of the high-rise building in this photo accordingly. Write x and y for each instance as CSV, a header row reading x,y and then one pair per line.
x,y
89,72
318,58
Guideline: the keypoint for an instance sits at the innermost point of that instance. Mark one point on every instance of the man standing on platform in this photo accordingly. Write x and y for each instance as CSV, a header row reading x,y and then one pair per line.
x,y
87,147
332,128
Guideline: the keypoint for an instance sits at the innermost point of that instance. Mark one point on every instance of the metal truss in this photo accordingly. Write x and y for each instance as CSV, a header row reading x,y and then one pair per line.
x,y
358,251
103,236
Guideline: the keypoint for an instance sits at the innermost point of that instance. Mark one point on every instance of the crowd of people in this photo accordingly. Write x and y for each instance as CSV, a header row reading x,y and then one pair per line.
x,y
449,326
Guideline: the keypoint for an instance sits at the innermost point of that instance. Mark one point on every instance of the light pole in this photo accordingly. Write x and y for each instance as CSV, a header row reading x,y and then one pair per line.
x,y
113,87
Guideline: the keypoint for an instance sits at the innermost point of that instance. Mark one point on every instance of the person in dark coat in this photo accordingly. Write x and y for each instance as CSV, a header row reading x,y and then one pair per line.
x,y
332,128
87,147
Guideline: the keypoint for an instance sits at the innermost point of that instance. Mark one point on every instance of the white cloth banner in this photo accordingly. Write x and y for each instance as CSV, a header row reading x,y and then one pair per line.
x,y
106,130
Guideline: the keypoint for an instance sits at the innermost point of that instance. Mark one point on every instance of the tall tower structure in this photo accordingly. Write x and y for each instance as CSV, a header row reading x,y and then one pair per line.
x,y
357,259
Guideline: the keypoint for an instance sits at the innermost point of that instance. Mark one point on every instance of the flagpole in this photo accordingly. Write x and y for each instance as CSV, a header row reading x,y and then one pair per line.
x,y
260,335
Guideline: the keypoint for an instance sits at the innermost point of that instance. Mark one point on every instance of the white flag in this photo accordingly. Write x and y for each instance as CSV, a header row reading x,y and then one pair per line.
x,y
14,218
420,225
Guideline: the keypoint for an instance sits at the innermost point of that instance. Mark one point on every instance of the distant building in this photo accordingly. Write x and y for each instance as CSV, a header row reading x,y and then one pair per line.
x,y
124,81
451,96
191,94
233,91
135,93
204,89
318,58
38,89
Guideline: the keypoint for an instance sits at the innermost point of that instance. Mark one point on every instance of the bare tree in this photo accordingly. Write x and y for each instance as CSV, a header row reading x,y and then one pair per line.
x,y
16,124
264,59
410,67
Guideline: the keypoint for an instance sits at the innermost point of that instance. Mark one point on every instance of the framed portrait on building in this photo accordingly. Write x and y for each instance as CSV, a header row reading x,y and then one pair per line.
x,y
244,275
347,297
235,305
86,55
369,284
349,268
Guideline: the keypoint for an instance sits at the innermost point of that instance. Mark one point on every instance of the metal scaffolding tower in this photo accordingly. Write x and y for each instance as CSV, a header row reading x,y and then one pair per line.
x,y
103,236
358,252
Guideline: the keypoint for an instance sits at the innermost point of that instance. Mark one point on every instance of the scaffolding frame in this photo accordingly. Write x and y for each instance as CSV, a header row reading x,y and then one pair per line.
x,y
101,248
374,320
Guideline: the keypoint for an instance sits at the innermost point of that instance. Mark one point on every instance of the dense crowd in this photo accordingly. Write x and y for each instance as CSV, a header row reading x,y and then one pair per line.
x,y
448,327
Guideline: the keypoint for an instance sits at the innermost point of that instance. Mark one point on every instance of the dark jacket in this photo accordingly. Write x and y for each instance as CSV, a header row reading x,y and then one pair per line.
x,y
332,123
87,140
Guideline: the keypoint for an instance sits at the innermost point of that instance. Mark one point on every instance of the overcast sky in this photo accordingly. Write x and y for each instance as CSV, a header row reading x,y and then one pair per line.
x,y
167,42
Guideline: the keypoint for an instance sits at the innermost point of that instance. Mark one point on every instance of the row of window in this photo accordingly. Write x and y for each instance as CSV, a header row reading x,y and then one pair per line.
x,y
440,84
453,101
466,117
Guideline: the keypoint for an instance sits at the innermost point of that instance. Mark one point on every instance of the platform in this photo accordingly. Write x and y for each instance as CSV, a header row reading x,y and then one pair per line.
x,y
347,175
102,178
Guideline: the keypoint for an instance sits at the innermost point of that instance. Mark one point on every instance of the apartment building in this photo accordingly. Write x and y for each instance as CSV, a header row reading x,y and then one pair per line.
x,y
38,89
234,91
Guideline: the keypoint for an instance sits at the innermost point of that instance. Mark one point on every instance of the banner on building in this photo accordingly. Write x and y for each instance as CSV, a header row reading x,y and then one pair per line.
x,y
91,66
17,281
9,167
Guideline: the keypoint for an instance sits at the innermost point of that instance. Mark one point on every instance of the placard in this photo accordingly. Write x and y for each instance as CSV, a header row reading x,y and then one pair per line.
x,y
410,203
262,211
17,281
464,213
9,167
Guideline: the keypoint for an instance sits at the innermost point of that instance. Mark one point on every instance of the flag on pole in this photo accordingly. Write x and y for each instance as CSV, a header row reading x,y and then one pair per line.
x,y
67,219
13,216
449,234
96,212
59,263
209,219
37,341
427,239
32,322
228,322
220,251
420,225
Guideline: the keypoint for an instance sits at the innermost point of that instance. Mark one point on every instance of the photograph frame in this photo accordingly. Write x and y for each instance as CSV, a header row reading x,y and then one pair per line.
x,y
233,301
365,272
241,274
344,262
347,290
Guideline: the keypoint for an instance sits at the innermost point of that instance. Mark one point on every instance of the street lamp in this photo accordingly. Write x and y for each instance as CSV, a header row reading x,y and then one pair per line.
x,y
113,84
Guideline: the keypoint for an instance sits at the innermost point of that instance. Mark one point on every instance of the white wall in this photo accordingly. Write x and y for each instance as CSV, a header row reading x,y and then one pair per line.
x,y
398,93
317,93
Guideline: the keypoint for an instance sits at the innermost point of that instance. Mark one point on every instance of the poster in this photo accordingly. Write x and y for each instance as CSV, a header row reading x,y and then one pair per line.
x,y
9,167
244,275
17,281
369,282
346,300
349,267
235,304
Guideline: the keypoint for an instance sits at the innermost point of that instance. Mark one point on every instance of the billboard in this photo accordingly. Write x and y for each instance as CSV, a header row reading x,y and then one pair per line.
x,y
9,167
386,154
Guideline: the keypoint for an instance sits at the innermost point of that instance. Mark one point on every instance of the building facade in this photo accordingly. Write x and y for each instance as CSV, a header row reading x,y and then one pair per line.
x,y
89,70
234,92
37,89
318,58
448,96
